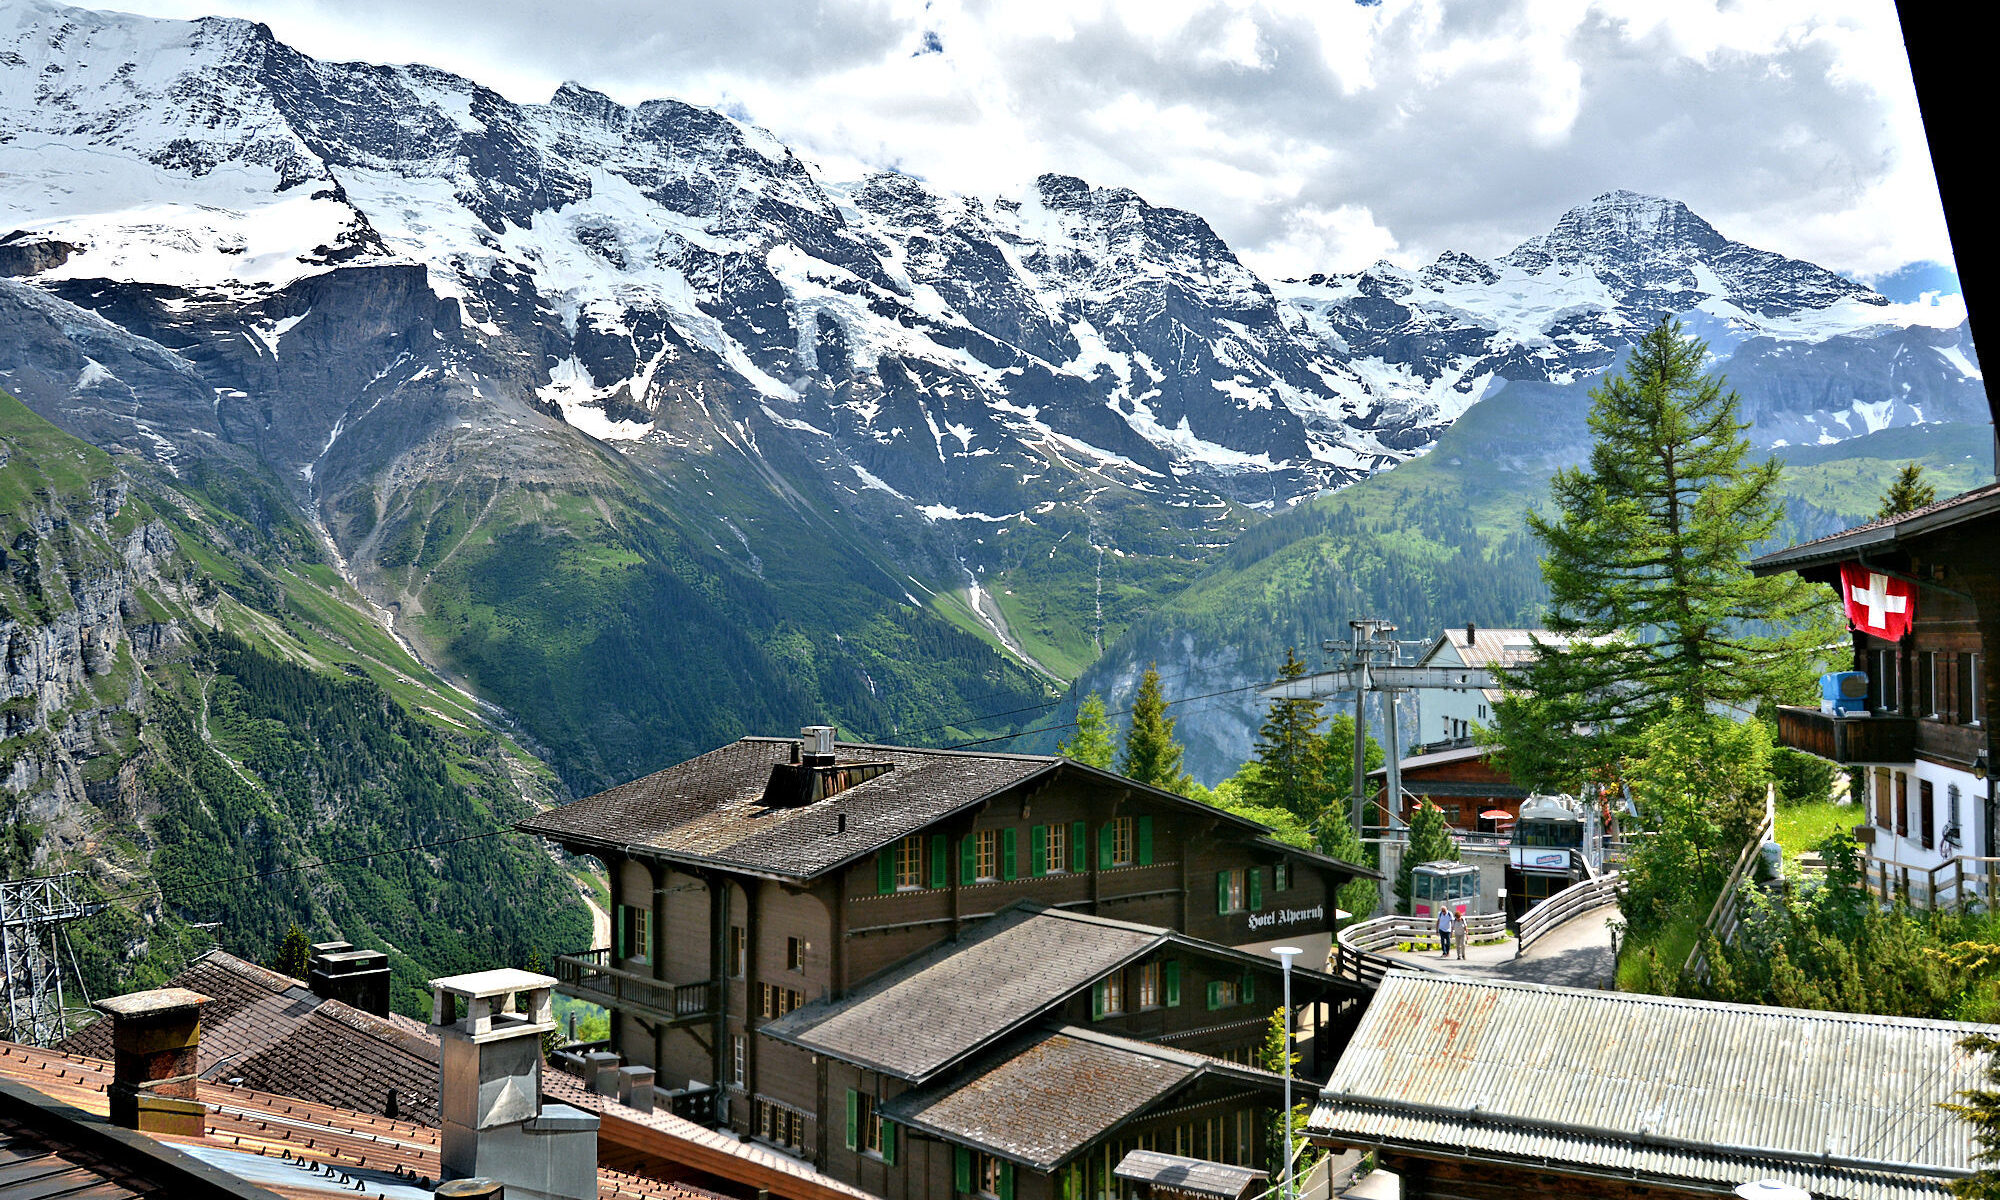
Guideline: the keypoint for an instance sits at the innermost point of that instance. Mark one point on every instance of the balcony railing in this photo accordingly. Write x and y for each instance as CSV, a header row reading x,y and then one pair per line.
x,y
589,975
1874,739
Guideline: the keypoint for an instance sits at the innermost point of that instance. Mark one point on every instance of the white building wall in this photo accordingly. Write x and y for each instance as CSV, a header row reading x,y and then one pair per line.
x,y
1908,853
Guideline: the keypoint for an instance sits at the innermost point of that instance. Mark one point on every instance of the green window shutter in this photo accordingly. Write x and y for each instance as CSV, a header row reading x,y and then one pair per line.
x,y
1256,889
885,872
1038,850
853,1119
967,863
619,920
1077,861
1214,999
940,861
1222,891
1145,841
1097,1001
1104,847
1006,1181
889,1142
1249,992
961,1169
1008,847
1172,970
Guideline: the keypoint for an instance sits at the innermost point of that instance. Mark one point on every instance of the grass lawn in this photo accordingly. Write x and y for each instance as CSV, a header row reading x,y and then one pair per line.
x,y
1802,826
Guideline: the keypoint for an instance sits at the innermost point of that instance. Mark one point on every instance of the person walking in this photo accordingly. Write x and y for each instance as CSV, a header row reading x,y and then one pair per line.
x,y
1444,930
1458,934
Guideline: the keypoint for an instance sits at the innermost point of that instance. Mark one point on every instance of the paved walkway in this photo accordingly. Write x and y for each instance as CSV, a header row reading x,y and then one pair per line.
x,y
1576,953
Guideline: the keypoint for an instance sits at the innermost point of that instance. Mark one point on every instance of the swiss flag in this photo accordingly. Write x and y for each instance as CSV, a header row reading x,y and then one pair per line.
x,y
1876,603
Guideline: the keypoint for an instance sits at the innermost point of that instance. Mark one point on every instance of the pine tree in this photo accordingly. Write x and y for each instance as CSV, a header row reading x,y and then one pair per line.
x,y
1092,744
1152,756
1335,826
1907,493
1290,775
1430,841
1981,1109
293,953
1645,558
1336,756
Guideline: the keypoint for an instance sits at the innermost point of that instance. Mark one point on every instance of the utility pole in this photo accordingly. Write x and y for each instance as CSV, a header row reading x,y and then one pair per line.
x,y
1285,955
32,912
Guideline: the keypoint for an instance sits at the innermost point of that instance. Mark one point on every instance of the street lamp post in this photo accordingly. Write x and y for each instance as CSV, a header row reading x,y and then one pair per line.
x,y
1285,955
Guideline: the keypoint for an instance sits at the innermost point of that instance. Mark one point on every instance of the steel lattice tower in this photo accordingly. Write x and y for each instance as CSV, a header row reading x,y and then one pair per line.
x,y
31,915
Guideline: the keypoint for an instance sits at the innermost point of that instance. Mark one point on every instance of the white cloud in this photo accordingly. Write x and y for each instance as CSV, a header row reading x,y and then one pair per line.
x,y
1312,134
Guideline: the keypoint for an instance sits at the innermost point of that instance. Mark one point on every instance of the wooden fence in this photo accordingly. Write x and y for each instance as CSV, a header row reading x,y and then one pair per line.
x,y
1723,916
1962,880
1576,899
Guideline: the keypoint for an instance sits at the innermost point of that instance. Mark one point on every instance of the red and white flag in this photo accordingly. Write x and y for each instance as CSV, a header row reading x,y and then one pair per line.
x,y
1877,604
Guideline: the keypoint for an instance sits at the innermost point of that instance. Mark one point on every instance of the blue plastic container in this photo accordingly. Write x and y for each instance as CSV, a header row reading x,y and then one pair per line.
x,y
1843,692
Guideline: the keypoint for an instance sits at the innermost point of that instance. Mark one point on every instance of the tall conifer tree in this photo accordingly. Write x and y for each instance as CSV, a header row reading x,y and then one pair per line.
x,y
1152,756
1908,492
1288,749
1645,557
1093,743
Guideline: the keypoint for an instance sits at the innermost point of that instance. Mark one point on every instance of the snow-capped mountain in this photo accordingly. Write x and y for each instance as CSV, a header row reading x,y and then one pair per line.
x,y
425,309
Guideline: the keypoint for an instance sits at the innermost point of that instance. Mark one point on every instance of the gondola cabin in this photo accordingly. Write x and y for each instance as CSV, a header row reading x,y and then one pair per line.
x,y
1453,885
1557,842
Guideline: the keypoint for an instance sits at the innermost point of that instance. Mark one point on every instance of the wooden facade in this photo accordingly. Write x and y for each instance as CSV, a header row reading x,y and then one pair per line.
x,y
705,954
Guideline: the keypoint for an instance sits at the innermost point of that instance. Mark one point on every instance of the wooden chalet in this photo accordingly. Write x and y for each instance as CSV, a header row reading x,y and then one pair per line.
x,y
1924,746
877,957
1461,782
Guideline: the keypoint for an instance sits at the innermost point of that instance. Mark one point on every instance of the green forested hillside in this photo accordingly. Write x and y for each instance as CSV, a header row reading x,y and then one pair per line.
x,y
198,719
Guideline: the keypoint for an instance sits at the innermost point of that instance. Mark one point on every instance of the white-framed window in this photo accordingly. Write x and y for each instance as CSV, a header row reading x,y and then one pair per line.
x,y
1055,855
910,863
986,854
739,1051
1124,842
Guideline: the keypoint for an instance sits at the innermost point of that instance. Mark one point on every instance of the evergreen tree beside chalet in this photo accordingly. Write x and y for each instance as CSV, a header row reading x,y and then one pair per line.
x,y
941,973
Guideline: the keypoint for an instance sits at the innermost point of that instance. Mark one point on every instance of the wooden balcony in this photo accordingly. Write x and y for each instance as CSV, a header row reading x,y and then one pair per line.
x,y
1874,739
589,975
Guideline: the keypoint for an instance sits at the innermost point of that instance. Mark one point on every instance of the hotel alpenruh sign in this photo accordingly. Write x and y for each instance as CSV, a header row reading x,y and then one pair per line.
x,y
1877,604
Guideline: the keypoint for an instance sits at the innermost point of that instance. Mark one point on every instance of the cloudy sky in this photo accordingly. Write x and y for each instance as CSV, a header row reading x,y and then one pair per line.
x,y
1315,135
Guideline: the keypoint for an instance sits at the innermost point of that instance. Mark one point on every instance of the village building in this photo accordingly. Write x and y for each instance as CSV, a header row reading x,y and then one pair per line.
x,y
1447,716
1916,732
1473,1090
877,957
1461,782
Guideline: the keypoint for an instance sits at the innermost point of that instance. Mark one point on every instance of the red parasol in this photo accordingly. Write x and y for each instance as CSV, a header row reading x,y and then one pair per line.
x,y
1496,814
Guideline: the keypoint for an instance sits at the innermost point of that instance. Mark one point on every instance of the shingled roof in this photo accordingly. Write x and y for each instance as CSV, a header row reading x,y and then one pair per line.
x,y
1837,547
930,1014
1039,1101
1674,1092
712,809
1189,1176
273,1033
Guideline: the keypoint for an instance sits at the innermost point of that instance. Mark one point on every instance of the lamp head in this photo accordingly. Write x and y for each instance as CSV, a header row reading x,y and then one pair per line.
x,y
1980,767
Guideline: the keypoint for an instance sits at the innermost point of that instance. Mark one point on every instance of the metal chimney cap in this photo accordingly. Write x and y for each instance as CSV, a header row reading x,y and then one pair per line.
x,y
817,739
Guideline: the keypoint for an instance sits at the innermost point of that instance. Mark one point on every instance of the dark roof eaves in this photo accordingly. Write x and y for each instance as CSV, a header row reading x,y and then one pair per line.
x,y
1835,547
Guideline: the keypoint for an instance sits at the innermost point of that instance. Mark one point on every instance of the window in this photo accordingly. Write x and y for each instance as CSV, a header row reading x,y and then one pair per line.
x,y
1124,845
991,1176
1055,852
1971,704
1951,834
777,1001
1885,682
778,1124
1149,986
986,855
639,933
1927,696
795,954
864,1124
1114,992
1925,799
910,863
1281,877
1230,890
736,951
1222,993
1902,804
738,1056
1884,810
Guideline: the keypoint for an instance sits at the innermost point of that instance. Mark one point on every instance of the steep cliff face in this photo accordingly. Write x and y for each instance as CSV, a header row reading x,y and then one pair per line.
x,y
190,714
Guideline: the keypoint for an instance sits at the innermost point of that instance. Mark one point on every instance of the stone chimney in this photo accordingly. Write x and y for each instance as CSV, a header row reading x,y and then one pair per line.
x,y
337,971
495,1125
155,1054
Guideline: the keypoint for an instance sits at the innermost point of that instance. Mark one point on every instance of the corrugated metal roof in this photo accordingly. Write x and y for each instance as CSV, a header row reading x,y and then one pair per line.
x,y
1189,1174
1647,1086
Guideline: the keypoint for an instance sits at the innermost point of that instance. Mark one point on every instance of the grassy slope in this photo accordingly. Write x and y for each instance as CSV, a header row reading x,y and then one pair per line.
x,y
292,732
